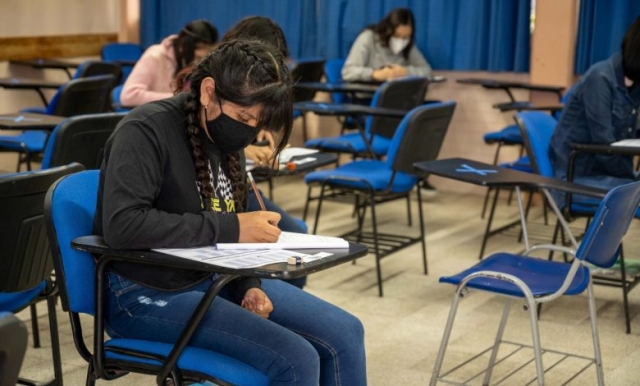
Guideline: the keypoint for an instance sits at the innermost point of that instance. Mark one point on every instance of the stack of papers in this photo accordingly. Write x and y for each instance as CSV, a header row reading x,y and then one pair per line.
x,y
248,255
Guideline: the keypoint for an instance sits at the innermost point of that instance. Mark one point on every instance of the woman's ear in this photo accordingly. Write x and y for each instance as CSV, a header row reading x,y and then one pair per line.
x,y
207,91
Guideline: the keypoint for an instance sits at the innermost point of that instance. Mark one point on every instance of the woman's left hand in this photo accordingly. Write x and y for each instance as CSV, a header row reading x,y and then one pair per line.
x,y
256,301
262,156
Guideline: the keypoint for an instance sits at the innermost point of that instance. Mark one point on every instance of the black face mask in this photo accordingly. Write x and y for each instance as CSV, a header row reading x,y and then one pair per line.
x,y
230,135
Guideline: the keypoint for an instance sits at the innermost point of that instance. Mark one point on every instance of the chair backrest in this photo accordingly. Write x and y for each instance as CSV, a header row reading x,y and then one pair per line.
x,y
25,260
95,67
80,139
333,74
70,205
402,93
306,70
84,96
122,52
419,136
602,239
537,128
13,345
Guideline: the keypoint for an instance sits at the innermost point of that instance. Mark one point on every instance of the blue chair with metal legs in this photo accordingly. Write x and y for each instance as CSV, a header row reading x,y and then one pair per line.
x,y
25,263
419,137
69,210
535,281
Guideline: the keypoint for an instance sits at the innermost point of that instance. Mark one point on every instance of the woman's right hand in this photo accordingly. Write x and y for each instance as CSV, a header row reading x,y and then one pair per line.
x,y
259,227
382,74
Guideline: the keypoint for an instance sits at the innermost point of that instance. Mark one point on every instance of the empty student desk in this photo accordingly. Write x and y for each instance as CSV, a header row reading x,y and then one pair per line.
x,y
58,64
30,84
29,121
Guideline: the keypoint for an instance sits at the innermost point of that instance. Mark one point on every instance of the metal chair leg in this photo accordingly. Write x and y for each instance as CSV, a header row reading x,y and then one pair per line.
x,y
376,246
496,343
489,221
446,335
423,236
594,334
55,340
35,331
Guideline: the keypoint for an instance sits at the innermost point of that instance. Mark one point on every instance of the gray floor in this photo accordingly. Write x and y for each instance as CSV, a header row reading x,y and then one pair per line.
x,y
404,328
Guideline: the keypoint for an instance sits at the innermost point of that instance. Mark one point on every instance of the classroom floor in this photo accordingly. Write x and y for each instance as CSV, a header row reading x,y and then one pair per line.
x,y
404,328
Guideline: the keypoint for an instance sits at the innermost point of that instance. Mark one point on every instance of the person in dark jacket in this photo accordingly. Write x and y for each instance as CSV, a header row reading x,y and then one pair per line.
x,y
173,177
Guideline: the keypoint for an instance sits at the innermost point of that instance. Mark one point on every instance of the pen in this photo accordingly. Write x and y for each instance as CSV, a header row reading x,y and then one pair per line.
x,y
255,190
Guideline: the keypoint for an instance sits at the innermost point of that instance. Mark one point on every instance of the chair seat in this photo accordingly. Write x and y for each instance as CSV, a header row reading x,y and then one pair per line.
x,y
350,143
16,301
35,110
32,140
543,277
522,164
193,359
508,135
377,173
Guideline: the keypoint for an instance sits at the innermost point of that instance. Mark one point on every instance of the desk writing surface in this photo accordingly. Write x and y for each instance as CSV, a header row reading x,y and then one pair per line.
x,y
28,83
95,244
480,173
29,121
339,87
348,109
47,63
503,84
627,148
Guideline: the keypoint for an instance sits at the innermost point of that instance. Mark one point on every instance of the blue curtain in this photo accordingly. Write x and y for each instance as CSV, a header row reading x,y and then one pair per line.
x,y
601,28
452,34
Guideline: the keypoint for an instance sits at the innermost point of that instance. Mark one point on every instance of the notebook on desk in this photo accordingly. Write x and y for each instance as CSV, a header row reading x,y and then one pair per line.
x,y
290,240
632,142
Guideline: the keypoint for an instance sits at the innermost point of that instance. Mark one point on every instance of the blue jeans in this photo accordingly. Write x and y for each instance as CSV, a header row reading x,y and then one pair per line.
x,y
305,341
287,223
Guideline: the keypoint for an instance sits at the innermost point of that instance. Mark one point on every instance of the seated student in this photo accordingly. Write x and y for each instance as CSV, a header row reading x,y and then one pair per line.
x,y
173,177
602,109
386,51
152,76
266,31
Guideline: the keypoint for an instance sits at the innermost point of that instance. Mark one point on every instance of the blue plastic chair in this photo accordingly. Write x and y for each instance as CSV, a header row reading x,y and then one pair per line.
x,y
419,137
13,345
401,93
537,129
78,96
26,265
124,54
69,210
333,74
538,281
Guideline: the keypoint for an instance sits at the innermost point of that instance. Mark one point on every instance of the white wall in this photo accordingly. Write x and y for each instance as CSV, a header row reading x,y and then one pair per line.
x,y
21,18
57,17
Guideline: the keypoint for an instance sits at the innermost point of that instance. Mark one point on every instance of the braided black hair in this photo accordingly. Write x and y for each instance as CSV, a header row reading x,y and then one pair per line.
x,y
246,73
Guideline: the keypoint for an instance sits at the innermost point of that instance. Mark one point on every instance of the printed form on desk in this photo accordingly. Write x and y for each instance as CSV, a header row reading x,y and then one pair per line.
x,y
239,258
248,255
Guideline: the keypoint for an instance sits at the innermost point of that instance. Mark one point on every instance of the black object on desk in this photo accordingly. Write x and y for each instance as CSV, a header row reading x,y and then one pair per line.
x,y
95,244
29,121
59,64
30,84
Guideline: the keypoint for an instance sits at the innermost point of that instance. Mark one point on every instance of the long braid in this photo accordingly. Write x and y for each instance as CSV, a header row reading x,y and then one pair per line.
x,y
236,176
191,107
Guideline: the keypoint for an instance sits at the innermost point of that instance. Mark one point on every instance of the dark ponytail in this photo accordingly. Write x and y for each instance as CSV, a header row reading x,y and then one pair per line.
x,y
246,73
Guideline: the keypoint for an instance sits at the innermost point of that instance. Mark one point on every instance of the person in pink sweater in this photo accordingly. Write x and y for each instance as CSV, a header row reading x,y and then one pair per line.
x,y
153,75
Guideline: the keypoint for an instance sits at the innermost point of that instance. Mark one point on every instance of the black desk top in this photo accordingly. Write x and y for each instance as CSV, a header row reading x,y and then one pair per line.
x,y
605,149
500,84
95,244
29,121
47,63
347,109
480,173
28,83
339,87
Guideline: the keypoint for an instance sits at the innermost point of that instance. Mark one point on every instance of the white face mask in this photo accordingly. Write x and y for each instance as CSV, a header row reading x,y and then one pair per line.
x,y
396,45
